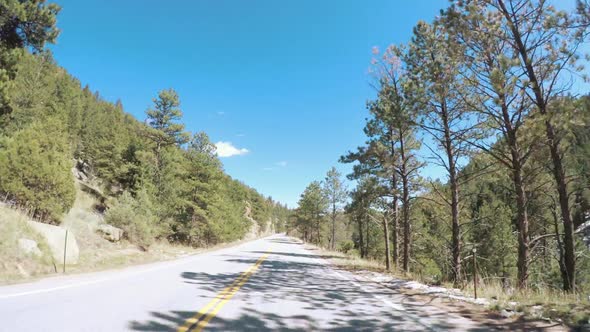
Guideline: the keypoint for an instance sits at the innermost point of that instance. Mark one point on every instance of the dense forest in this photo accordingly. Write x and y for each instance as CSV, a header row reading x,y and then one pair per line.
x,y
489,95
159,181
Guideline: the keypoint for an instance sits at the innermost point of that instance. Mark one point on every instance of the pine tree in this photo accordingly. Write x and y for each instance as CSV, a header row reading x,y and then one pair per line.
x,y
312,207
35,164
434,62
164,119
336,194
28,23
546,50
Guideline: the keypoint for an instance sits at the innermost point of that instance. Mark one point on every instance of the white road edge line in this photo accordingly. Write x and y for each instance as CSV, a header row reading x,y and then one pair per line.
x,y
47,290
384,300
90,282
161,265
390,304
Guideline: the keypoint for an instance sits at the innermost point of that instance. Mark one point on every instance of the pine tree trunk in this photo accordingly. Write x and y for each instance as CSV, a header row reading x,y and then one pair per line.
x,y
406,208
523,229
406,214
521,200
319,239
361,242
456,232
333,225
395,232
561,260
367,240
394,202
569,282
387,250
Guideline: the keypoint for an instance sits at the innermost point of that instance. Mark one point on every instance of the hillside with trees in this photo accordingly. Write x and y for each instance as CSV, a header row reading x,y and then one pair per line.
x,y
488,94
155,180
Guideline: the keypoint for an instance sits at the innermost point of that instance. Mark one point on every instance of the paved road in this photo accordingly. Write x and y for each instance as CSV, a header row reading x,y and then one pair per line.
x,y
272,284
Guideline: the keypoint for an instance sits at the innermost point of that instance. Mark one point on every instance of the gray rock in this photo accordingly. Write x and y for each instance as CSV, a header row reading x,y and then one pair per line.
x,y
22,271
536,311
109,232
506,314
55,238
29,247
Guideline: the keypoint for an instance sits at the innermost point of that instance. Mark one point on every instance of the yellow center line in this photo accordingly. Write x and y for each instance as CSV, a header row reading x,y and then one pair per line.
x,y
203,316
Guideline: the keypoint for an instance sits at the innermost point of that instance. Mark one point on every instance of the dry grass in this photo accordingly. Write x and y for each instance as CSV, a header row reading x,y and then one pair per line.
x,y
14,264
96,253
573,309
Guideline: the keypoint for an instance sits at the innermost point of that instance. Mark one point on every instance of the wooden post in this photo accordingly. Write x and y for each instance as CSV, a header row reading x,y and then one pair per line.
x,y
65,250
474,272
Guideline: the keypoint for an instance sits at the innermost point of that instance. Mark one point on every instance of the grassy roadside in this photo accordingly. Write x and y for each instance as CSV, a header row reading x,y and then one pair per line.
x,y
537,307
571,309
96,253
14,264
159,252
128,255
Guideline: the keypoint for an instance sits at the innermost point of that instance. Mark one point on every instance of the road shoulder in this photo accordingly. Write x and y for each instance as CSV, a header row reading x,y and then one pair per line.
x,y
374,274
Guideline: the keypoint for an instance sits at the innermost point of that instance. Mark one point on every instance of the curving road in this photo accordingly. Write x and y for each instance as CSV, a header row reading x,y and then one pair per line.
x,y
271,284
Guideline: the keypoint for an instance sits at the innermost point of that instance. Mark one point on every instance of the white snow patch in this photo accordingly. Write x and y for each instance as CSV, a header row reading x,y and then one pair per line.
x,y
452,293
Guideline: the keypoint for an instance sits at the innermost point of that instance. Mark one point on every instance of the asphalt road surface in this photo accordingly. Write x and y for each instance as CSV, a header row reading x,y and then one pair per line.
x,y
271,284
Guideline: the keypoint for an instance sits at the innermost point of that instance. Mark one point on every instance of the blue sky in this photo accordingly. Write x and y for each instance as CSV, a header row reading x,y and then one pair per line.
x,y
285,80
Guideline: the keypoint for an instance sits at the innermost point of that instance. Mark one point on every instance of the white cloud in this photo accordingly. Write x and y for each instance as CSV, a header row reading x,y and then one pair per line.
x,y
227,149
281,163
220,113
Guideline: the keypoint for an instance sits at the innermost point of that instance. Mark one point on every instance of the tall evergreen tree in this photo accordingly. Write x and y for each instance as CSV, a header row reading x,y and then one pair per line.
x,y
546,41
494,93
434,62
336,194
312,207
165,131
28,23
36,170
165,118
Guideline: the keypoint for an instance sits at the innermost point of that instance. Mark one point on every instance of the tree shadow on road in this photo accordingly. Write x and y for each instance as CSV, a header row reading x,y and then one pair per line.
x,y
285,241
312,289
169,321
291,254
291,292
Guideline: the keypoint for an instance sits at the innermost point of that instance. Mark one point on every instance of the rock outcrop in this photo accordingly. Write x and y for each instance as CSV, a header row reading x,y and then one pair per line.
x,y
55,237
29,247
109,232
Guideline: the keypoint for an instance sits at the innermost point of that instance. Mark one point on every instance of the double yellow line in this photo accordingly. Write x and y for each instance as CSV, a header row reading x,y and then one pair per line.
x,y
198,322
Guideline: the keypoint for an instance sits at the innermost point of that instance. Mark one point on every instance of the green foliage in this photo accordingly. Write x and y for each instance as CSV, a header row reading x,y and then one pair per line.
x,y
346,246
104,139
485,87
28,23
312,207
136,217
431,239
334,188
336,194
35,168
164,119
56,124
